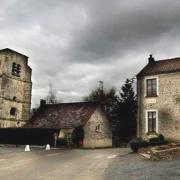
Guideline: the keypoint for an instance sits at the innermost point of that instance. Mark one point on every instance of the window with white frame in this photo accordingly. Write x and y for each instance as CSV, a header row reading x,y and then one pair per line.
x,y
152,121
151,87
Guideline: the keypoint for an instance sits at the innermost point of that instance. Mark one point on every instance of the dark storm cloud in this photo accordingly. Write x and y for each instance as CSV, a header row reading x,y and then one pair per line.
x,y
76,43
118,28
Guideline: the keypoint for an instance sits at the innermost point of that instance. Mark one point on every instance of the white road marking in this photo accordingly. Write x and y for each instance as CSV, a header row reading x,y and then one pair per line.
x,y
112,156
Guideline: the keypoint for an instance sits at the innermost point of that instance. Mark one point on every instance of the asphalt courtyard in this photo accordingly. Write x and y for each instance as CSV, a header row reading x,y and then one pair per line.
x,y
79,164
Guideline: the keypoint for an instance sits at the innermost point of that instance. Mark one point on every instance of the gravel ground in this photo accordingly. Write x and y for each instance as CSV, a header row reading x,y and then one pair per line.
x,y
133,167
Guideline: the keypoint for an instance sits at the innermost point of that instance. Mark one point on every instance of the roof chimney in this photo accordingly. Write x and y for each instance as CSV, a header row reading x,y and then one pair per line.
x,y
42,102
151,59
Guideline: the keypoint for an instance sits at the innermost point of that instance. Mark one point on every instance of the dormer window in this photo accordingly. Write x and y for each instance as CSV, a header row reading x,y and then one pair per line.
x,y
151,87
16,69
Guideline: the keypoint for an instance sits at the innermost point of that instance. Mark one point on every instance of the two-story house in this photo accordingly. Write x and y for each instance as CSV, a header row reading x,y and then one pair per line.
x,y
158,89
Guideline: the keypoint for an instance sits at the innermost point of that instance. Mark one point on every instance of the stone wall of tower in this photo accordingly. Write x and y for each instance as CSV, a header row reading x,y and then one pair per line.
x,y
15,92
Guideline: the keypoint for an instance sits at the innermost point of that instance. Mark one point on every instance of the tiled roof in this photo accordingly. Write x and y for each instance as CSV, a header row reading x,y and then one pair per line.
x,y
161,67
64,115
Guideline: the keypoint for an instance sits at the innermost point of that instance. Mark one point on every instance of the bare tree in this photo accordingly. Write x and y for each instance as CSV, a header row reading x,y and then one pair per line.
x,y
51,97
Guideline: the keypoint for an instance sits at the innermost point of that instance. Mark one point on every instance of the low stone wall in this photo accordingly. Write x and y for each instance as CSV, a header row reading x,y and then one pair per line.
x,y
99,143
161,152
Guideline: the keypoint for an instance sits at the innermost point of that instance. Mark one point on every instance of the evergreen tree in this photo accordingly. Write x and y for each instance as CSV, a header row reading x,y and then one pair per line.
x,y
128,110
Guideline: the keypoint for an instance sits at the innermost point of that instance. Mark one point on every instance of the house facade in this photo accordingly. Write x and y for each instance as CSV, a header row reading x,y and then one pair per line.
x,y
67,117
158,89
15,89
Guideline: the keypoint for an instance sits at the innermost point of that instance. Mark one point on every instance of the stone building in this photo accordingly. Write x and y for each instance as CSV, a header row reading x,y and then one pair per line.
x,y
69,116
15,88
158,89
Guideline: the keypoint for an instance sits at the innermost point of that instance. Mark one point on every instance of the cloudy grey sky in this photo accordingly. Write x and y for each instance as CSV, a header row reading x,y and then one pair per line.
x,y
76,43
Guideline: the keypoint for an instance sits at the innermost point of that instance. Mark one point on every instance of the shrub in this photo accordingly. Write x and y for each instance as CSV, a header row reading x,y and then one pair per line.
x,y
137,143
159,140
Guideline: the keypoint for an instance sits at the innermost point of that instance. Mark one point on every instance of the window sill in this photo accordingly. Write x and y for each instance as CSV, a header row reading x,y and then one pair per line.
x,y
151,133
16,75
155,96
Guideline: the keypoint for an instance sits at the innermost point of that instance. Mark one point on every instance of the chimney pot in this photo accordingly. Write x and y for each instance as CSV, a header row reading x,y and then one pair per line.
x,y
42,102
151,59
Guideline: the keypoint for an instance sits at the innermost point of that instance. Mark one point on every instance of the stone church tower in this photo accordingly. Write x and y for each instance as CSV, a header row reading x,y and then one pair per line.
x,y
15,88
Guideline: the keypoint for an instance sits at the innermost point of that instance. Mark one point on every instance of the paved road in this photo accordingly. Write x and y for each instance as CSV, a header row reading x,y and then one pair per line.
x,y
102,164
56,164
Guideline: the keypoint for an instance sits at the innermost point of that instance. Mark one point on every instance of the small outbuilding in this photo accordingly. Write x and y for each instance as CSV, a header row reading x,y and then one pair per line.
x,y
73,119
